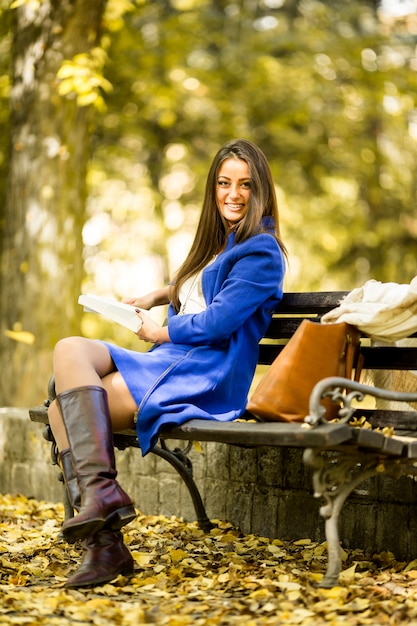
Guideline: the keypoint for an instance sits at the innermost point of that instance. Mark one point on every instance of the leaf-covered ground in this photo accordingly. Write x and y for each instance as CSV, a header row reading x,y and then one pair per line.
x,y
183,576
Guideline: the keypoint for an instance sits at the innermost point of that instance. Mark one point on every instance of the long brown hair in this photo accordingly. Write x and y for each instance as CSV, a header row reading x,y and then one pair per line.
x,y
212,229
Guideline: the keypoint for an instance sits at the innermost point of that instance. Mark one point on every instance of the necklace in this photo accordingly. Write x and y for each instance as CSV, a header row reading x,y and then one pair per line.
x,y
199,296
192,286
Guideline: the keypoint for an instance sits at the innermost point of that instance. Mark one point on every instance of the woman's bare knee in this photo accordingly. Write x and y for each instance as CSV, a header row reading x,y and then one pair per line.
x,y
79,361
68,350
73,348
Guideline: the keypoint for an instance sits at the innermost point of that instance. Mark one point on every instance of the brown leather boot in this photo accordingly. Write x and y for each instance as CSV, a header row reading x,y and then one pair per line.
x,y
105,557
104,504
71,482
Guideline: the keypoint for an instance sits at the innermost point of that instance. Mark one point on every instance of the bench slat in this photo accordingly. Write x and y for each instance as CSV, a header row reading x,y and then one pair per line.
x,y
275,434
267,353
310,301
376,441
397,358
410,449
245,433
381,418
284,327
375,357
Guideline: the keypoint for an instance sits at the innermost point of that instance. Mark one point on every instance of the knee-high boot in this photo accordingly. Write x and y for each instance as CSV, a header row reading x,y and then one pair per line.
x,y
105,554
70,479
104,504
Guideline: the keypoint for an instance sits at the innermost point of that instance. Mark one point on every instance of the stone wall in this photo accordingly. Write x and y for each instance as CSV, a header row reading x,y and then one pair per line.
x,y
266,491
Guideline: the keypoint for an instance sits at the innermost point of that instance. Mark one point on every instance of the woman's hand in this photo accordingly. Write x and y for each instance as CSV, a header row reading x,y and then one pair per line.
x,y
154,298
151,331
144,302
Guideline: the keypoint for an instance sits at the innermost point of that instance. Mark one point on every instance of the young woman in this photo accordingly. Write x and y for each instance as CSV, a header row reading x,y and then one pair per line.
x,y
200,366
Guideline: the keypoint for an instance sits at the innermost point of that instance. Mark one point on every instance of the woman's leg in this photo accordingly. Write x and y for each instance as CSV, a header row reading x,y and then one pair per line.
x,y
79,362
88,389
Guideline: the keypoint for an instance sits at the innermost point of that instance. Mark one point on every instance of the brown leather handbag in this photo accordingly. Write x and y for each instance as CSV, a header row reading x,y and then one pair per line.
x,y
314,352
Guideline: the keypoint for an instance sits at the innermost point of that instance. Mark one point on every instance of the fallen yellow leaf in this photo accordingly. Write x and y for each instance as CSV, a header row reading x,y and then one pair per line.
x,y
22,336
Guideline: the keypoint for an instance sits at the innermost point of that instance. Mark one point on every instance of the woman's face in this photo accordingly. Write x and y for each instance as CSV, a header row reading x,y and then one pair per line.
x,y
233,190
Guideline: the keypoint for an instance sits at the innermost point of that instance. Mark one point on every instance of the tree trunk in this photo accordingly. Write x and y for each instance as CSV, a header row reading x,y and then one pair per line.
x,y
41,243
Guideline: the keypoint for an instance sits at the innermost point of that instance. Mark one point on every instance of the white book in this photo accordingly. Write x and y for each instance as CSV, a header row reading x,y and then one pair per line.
x,y
113,310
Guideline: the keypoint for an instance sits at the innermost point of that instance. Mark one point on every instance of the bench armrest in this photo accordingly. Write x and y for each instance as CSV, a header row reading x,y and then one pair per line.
x,y
334,387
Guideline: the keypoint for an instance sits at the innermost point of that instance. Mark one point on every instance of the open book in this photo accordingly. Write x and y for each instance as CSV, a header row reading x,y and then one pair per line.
x,y
113,310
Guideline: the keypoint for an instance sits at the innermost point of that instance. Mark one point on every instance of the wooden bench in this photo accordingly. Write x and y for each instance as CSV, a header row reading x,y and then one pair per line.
x,y
340,455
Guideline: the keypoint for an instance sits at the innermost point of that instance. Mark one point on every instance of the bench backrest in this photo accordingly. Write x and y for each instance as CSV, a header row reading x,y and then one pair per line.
x,y
295,307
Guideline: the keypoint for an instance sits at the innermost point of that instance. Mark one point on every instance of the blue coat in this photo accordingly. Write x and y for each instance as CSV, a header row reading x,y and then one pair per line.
x,y
211,361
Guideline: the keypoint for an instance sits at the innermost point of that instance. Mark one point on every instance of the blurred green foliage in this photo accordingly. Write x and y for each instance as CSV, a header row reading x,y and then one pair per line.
x,y
327,89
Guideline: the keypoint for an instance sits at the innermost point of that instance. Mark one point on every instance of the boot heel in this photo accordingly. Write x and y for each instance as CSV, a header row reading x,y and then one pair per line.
x,y
121,517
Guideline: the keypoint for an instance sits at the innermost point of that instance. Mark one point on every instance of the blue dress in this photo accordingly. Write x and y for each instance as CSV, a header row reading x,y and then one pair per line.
x,y
207,368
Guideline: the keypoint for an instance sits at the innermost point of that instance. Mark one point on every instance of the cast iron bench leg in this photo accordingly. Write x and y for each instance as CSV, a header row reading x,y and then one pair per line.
x,y
335,476
182,464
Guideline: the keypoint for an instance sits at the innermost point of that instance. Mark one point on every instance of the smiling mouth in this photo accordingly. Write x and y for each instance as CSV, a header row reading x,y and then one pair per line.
x,y
235,207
